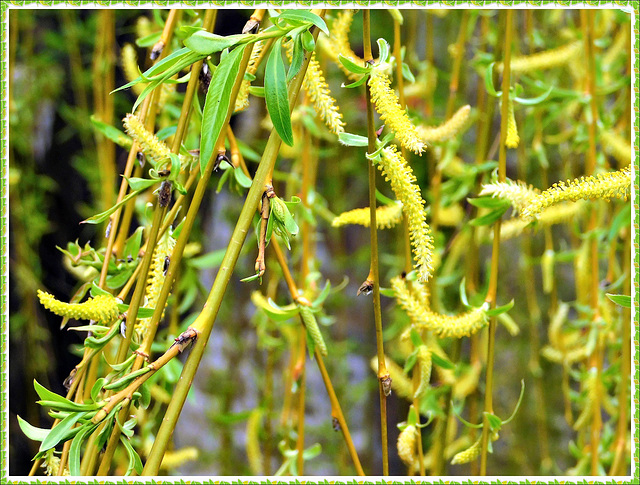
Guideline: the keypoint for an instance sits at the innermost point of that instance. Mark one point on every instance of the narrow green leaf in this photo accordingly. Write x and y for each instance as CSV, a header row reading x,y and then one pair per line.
x,y
352,140
305,16
500,309
58,432
275,88
442,361
74,450
489,218
132,246
352,66
488,80
112,133
148,40
103,216
97,387
534,101
357,83
241,178
31,432
257,91
308,42
206,43
488,202
217,103
383,49
135,464
622,300
297,58
494,421
407,74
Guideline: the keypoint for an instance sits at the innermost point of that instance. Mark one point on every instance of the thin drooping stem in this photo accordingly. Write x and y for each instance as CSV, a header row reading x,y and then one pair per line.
x,y
204,322
493,279
384,379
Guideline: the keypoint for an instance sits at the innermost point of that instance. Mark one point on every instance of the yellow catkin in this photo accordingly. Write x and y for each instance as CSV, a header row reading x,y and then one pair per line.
x,y
517,193
388,106
407,445
150,145
311,325
463,325
143,27
424,362
130,67
51,465
619,46
318,92
602,186
242,101
252,446
338,43
387,216
400,383
450,129
156,278
617,146
102,308
545,60
513,139
403,182
558,214
591,390
176,458
471,453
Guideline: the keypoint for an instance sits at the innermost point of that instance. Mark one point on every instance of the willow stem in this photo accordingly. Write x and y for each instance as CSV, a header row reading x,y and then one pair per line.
x,y
493,281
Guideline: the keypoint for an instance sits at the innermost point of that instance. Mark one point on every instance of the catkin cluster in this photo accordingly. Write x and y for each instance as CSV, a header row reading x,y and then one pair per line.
x,y
388,106
149,144
512,139
338,43
387,216
544,60
407,445
242,100
102,308
403,182
602,186
400,383
518,193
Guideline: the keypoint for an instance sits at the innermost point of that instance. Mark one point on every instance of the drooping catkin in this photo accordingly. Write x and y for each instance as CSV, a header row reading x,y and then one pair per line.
x,y
311,325
143,27
388,106
149,144
591,392
157,273
518,193
602,186
471,453
130,67
387,216
176,458
400,383
407,445
424,362
450,129
403,182
544,60
254,454
338,43
512,139
101,308
557,214
242,100
617,146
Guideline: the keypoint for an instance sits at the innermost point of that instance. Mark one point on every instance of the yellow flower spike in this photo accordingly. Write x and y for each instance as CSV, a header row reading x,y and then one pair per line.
x,y
254,455
451,128
242,101
129,62
517,193
143,27
617,146
416,310
424,361
176,458
407,445
403,182
513,139
159,266
150,145
591,388
544,60
602,186
311,325
102,308
471,453
318,92
388,106
338,43
400,383
387,216
557,214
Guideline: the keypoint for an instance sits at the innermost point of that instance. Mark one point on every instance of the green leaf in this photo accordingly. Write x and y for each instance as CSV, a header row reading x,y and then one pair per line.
x,y
442,361
47,395
489,202
508,420
135,464
275,88
251,278
322,296
297,58
383,50
217,103
103,216
113,134
357,83
533,101
352,66
60,431
304,16
241,178
119,279
206,43
407,74
208,260
352,140
494,421
500,309
488,81
33,433
97,387
410,362
256,91
308,42
74,450
145,397
622,219
148,40
622,300
489,218
132,246
312,452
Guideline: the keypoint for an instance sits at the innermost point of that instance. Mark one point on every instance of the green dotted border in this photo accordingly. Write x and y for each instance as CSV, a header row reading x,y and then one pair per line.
x,y
4,23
